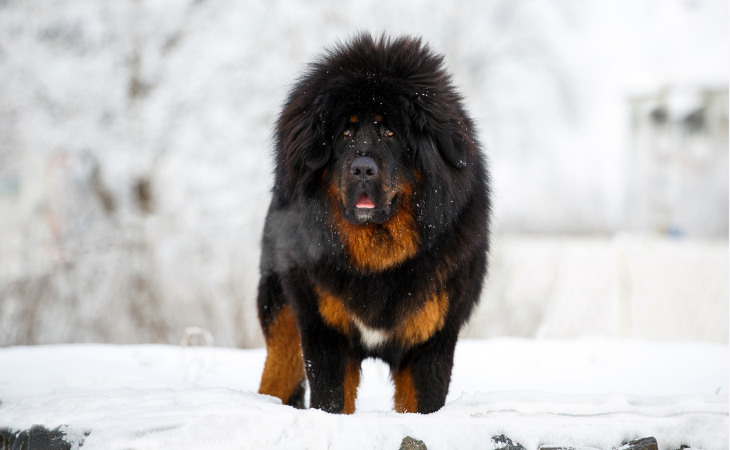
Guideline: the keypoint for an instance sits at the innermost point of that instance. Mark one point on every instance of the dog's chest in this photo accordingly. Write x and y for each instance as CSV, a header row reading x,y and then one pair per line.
x,y
370,338
414,327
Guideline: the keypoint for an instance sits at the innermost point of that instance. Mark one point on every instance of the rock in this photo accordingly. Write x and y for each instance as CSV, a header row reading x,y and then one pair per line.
x,y
565,447
37,438
7,437
647,443
505,443
409,443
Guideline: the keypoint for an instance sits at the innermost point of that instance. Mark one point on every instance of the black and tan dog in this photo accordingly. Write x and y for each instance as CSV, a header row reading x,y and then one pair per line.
x,y
376,240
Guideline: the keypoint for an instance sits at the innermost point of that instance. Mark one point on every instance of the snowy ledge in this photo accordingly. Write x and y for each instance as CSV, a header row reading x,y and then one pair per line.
x,y
586,393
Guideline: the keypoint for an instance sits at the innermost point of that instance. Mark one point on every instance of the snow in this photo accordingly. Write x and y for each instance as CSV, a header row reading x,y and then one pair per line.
x,y
96,97
588,392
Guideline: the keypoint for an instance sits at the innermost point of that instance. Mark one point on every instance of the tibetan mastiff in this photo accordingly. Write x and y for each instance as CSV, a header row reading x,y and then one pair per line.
x,y
375,243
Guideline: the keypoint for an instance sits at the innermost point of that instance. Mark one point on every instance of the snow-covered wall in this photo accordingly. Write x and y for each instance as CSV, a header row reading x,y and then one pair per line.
x,y
627,285
134,145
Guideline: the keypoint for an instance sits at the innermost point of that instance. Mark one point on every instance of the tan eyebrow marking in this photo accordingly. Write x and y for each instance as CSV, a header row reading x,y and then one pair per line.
x,y
378,118
354,119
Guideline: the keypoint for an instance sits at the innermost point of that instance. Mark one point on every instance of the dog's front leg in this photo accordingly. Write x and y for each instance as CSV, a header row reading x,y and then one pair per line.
x,y
333,375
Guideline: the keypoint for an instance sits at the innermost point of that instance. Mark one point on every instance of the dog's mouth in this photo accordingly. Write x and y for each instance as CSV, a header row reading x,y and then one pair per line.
x,y
364,206
364,202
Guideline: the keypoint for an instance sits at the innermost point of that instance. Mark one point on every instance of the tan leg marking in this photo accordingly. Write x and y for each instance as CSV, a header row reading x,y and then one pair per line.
x,y
405,393
284,367
352,381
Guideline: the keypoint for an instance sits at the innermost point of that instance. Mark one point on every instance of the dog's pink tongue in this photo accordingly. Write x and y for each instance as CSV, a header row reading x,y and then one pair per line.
x,y
364,201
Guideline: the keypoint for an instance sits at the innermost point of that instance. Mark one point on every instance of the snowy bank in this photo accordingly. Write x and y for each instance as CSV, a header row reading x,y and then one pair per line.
x,y
582,393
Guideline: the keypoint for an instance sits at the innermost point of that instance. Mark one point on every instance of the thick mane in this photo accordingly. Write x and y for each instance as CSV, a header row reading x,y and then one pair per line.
x,y
401,66
403,78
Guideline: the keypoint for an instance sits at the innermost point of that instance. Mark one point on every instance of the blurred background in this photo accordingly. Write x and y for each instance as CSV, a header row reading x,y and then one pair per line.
x,y
135,160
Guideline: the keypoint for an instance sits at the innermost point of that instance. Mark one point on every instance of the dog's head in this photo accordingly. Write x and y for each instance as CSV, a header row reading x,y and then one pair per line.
x,y
377,120
370,178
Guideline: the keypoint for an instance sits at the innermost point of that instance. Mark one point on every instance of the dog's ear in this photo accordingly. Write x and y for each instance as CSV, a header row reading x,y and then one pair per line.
x,y
319,153
302,143
452,147
444,135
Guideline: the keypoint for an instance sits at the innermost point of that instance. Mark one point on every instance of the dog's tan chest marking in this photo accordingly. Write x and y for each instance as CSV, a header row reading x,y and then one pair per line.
x,y
418,328
375,247
333,311
415,329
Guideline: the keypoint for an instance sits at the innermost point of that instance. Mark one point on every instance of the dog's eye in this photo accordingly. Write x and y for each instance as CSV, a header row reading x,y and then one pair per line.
x,y
347,133
389,133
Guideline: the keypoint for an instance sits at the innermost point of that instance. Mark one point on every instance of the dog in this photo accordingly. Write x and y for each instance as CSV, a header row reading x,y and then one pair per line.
x,y
376,239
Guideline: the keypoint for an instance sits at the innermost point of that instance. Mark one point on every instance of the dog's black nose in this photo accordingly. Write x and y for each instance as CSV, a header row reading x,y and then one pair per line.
x,y
364,168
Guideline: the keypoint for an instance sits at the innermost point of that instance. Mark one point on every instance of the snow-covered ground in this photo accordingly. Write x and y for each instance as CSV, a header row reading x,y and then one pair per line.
x,y
587,392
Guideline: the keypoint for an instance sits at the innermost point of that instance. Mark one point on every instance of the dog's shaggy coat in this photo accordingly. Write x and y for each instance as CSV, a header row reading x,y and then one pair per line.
x,y
376,240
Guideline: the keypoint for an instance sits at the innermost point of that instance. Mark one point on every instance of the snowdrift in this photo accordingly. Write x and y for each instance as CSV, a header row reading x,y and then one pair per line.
x,y
586,393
